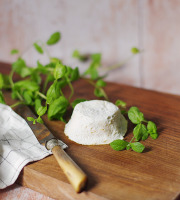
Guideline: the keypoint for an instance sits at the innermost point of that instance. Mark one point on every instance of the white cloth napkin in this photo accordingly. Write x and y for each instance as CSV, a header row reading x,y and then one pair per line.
x,y
18,146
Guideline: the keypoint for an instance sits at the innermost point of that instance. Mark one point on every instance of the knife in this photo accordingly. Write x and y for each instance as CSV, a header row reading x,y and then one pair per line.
x,y
72,171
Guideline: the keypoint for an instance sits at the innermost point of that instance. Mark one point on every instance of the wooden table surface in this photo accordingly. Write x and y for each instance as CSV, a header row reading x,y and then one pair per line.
x,y
153,174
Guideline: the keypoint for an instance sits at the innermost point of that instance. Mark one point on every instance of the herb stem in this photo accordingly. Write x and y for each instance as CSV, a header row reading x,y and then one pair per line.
x,y
11,78
102,90
16,104
41,95
131,140
12,85
19,96
71,87
45,85
145,121
118,65
46,51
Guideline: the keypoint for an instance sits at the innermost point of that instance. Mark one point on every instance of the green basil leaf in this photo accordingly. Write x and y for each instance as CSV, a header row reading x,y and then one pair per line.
x,y
60,71
14,51
39,120
135,115
2,98
76,54
53,92
152,130
151,126
28,95
26,71
27,85
4,81
75,102
137,146
1,81
120,103
42,110
54,38
128,147
100,83
81,57
93,73
55,60
140,131
154,135
75,74
135,50
58,107
119,145
96,58
31,119
36,77
98,92
14,94
145,135
20,67
38,48
41,68
37,104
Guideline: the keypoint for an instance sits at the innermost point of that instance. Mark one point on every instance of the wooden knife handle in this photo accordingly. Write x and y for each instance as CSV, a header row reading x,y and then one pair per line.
x,y
73,172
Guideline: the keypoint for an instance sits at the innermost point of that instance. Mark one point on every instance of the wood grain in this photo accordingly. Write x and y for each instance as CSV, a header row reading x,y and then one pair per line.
x,y
153,174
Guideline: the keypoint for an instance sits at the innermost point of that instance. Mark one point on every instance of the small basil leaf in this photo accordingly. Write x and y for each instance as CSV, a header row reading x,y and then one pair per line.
x,y
54,38
154,135
58,108
140,131
120,103
27,95
135,115
135,50
31,119
39,120
41,110
100,83
74,74
36,77
2,98
53,92
151,126
119,145
14,51
137,146
38,48
55,60
26,84
1,81
98,92
37,104
128,147
59,71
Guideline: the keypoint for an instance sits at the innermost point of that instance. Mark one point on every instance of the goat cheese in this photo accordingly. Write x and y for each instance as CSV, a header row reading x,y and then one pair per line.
x,y
96,122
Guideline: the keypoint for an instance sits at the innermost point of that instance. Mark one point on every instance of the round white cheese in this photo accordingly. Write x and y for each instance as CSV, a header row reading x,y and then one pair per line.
x,y
96,122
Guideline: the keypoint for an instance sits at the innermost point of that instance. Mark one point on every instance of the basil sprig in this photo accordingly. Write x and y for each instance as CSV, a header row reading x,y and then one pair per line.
x,y
141,131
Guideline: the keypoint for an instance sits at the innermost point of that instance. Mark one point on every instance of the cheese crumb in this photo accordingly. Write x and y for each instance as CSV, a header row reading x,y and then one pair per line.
x,y
96,122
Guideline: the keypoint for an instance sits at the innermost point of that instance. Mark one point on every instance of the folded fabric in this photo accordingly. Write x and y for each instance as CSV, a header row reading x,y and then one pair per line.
x,y
18,146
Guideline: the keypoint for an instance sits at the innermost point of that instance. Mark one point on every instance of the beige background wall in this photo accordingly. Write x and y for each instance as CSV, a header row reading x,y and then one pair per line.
x,y
111,27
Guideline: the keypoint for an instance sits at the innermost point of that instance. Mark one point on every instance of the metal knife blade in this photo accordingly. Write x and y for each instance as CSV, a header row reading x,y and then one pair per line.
x,y
73,172
41,132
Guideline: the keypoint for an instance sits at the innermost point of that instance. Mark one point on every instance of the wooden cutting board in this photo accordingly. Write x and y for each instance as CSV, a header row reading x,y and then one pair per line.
x,y
154,174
